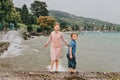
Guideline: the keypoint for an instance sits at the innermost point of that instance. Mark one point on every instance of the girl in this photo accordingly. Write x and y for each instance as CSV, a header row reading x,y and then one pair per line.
x,y
56,47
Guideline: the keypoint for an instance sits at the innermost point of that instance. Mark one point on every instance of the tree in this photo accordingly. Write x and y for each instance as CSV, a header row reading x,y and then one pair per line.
x,y
18,9
77,28
24,14
32,19
46,22
39,8
8,13
63,25
5,9
14,17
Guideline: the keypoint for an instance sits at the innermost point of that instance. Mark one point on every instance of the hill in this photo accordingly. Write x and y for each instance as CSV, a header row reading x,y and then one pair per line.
x,y
72,20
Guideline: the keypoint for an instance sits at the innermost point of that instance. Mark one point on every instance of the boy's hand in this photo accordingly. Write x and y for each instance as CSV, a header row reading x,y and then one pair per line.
x,y
71,57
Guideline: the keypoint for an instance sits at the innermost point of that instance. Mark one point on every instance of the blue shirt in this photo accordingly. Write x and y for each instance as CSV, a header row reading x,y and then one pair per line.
x,y
73,45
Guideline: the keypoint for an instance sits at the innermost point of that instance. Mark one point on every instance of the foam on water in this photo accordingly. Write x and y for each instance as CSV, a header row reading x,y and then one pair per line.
x,y
60,68
15,48
36,50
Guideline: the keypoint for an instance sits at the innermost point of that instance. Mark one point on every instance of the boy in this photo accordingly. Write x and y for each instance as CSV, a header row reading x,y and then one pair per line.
x,y
71,54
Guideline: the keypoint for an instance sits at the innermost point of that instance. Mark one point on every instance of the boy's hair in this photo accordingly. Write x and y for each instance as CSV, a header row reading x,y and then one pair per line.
x,y
57,23
73,34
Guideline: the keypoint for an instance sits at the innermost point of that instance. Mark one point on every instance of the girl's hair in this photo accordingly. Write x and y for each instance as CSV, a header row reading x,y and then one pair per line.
x,y
57,24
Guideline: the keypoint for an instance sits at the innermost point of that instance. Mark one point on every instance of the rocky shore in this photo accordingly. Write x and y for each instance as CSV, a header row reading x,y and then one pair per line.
x,y
3,46
45,75
28,36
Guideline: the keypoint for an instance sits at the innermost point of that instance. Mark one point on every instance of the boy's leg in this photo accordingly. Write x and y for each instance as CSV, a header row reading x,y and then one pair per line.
x,y
70,69
74,70
69,63
74,63
52,64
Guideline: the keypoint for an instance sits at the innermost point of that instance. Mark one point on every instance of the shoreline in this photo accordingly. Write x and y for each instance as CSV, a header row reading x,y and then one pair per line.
x,y
45,75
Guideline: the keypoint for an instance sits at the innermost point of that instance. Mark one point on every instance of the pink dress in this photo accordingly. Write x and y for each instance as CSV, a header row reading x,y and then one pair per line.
x,y
56,45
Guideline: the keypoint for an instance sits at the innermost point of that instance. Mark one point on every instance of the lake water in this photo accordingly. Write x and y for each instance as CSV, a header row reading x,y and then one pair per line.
x,y
96,51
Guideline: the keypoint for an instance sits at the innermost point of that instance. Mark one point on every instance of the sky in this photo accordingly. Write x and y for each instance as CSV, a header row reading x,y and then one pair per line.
x,y
106,10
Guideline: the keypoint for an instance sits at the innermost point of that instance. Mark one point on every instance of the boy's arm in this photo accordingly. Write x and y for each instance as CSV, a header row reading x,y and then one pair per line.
x,y
70,52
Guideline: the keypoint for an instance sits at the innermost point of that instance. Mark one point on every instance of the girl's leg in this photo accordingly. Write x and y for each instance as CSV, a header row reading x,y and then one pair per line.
x,y
52,64
57,64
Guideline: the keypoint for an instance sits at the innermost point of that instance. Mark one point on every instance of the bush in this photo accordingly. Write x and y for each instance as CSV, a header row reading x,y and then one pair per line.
x,y
39,30
22,26
29,28
1,26
13,25
35,27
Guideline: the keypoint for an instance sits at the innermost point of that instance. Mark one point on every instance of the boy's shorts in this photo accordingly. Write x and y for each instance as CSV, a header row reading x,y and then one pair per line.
x,y
71,62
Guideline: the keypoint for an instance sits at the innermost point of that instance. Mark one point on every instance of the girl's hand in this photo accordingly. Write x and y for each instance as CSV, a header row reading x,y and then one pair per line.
x,y
68,45
45,45
71,57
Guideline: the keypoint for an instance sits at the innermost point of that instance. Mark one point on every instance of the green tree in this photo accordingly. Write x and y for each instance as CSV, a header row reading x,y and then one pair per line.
x,y
24,14
14,16
39,8
18,10
8,13
76,27
63,25
32,19
29,18
5,9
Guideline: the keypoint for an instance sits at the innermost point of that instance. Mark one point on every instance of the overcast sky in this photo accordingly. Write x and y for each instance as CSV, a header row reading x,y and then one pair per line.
x,y
107,10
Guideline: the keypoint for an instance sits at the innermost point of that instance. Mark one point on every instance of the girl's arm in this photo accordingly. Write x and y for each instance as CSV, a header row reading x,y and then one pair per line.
x,y
50,38
62,37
